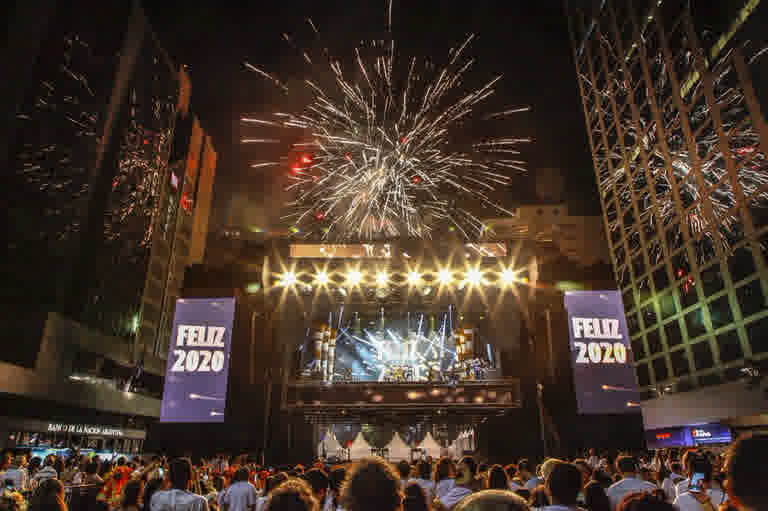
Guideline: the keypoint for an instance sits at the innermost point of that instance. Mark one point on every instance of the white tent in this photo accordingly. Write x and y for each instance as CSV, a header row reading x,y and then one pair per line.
x,y
359,448
398,449
329,445
430,446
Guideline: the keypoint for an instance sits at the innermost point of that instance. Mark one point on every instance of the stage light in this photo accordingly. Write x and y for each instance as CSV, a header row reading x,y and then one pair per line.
x,y
288,279
414,277
474,277
507,276
445,276
382,278
354,277
321,278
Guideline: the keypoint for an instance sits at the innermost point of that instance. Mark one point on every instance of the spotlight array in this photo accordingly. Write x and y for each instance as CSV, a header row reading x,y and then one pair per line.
x,y
444,277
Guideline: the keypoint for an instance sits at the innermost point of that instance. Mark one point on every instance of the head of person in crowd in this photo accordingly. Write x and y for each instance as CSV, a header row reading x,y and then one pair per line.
x,y
547,466
747,472
466,470
423,470
274,481
92,468
497,478
482,468
49,496
563,484
292,495
524,469
299,469
415,499
511,471
404,469
34,464
179,473
645,502
242,474
592,452
539,497
646,474
492,500
443,470
371,485
626,466
318,481
595,498
153,486
218,483
132,492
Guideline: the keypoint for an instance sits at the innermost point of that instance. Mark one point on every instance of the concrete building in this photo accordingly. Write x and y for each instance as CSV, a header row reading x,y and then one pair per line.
x,y
97,146
671,96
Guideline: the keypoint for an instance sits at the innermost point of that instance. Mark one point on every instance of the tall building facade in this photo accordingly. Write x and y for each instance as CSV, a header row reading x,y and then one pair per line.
x,y
672,94
103,177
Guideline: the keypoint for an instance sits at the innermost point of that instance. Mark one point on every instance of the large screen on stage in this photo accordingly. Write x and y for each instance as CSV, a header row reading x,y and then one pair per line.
x,y
198,361
601,354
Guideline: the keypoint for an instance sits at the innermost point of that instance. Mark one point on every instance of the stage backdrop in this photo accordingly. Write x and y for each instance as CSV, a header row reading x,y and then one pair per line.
x,y
601,354
198,361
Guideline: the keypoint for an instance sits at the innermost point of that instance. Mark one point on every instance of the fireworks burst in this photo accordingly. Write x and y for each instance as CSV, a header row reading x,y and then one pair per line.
x,y
708,194
382,163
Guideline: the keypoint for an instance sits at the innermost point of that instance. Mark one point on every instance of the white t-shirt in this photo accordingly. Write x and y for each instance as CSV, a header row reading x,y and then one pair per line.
x,y
619,490
668,485
426,485
682,487
454,496
687,502
177,500
443,487
240,496
19,476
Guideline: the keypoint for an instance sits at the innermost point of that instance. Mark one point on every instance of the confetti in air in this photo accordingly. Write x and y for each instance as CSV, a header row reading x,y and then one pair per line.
x,y
381,162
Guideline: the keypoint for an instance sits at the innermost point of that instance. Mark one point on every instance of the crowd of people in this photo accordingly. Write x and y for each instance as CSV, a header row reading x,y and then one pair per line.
x,y
689,480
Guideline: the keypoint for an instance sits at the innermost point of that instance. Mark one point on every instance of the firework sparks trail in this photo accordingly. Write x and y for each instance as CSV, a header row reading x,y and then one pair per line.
x,y
708,195
383,163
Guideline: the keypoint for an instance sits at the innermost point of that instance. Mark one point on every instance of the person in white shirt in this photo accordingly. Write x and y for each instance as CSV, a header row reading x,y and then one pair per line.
x,y
423,478
241,494
465,485
707,491
627,467
17,473
672,479
178,498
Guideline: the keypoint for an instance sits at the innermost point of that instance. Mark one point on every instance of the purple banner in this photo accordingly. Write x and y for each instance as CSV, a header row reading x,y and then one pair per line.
x,y
601,354
198,361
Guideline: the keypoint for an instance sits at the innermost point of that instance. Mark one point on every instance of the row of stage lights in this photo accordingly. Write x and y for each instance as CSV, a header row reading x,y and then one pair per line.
x,y
473,277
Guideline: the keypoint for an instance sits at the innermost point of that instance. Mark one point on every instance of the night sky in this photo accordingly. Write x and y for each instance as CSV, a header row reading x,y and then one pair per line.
x,y
527,42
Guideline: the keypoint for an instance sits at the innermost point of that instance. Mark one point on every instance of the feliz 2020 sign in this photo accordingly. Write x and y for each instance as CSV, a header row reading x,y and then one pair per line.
x,y
198,361
600,353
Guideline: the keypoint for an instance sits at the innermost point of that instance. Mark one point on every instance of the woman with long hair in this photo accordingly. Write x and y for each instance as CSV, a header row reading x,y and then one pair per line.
x,y
443,476
49,496
497,478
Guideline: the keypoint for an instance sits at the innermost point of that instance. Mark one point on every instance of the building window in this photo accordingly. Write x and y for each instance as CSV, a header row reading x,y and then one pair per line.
x,y
729,346
712,280
694,323
660,369
679,362
667,305
741,264
633,324
674,335
702,355
750,298
637,348
643,375
720,312
654,342
649,316
757,334
660,278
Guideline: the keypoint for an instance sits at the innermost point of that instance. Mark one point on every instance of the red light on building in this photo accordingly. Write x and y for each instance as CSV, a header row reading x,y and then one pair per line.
x,y
319,215
416,180
295,168
306,159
